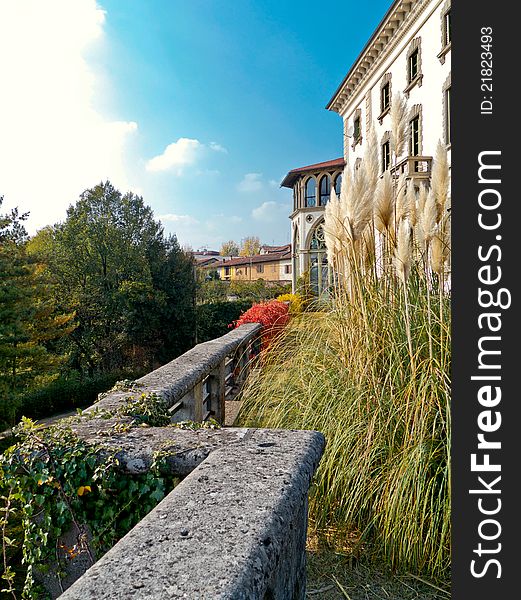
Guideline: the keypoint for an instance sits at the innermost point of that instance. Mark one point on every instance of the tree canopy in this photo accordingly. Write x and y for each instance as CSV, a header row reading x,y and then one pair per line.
x,y
30,323
130,287
250,246
229,248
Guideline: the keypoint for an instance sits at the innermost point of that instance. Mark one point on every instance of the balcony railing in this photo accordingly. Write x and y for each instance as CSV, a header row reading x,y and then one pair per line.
x,y
196,385
413,167
235,527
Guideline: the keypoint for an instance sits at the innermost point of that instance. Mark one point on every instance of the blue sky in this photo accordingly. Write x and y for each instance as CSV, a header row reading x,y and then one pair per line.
x,y
201,106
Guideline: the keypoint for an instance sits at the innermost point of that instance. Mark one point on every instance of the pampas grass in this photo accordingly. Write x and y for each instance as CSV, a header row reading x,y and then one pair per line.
x,y
384,209
398,124
372,373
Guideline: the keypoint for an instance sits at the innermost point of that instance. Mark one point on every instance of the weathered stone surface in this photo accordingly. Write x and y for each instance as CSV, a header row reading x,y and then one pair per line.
x,y
186,449
234,528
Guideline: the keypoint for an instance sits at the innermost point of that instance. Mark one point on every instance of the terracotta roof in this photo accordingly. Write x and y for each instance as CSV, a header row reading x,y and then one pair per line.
x,y
257,258
271,249
210,260
290,178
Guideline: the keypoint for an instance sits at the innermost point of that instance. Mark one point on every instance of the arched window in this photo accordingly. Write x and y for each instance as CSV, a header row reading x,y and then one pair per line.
x,y
325,190
338,184
317,241
319,272
311,192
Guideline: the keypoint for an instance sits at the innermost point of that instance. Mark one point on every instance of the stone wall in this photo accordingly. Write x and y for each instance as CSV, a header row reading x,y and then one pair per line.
x,y
235,527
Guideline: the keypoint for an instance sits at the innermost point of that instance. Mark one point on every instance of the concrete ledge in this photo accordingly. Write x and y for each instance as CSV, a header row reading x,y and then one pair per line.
x,y
234,529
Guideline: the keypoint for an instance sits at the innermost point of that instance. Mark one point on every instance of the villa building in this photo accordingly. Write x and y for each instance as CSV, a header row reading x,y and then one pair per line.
x,y
311,187
410,53
273,265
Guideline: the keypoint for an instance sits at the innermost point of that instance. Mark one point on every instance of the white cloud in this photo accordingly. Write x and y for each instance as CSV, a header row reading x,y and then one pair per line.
x,y
183,219
182,153
251,182
217,147
55,143
176,156
269,212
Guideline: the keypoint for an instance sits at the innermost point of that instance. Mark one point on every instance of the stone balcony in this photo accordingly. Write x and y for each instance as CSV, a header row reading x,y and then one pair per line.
x,y
235,527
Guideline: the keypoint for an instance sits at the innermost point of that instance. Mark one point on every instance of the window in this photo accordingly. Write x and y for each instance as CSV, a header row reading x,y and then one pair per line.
x,y
413,66
338,184
357,131
325,190
273,268
414,140
386,97
386,155
287,269
226,271
311,192
414,69
447,116
260,268
446,29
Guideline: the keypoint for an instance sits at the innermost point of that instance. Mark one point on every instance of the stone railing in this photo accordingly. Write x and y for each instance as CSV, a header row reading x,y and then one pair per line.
x,y
235,527
196,384
414,167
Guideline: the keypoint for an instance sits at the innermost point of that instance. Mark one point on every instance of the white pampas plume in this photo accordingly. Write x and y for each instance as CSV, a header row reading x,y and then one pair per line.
x,y
384,206
402,255
411,203
437,253
429,218
440,178
422,198
355,205
371,163
402,209
398,124
333,230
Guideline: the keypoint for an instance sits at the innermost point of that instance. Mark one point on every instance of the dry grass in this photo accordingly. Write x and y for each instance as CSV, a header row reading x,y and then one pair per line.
x,y
334,576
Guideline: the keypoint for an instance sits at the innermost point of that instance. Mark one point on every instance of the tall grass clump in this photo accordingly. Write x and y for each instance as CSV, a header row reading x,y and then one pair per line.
x,y
373,373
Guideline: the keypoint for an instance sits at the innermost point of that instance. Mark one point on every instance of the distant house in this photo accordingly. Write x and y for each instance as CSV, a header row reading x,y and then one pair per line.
x,y
207,258
273,265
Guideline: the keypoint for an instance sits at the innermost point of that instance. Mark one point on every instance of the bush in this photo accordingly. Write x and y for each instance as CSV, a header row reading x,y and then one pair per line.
x,y
296,303
273,316
66,393
213,320
258,290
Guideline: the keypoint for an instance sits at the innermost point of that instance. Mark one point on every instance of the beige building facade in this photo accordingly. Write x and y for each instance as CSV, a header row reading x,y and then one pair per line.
x,y
409,53
271,266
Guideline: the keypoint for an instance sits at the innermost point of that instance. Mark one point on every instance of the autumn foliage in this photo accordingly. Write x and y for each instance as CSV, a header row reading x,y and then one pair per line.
x,y
272,315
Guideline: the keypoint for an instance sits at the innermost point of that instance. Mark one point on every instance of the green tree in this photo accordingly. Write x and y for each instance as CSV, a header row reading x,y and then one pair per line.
x,y
132,289
250,246
229,248
211,289
29,320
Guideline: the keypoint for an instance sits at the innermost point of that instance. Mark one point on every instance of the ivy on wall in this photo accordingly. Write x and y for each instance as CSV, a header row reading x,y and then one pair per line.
x,y
54,484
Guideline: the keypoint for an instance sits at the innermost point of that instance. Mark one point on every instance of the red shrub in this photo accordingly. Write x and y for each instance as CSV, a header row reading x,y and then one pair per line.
x,y
272,315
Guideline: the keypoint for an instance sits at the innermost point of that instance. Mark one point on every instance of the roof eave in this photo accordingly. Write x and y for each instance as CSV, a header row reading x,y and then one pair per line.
x,y
360,57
